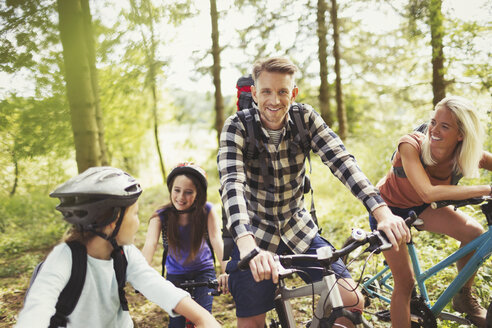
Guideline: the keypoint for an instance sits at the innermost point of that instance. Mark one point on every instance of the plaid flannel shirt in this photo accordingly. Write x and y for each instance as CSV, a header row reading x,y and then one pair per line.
x,y
280,214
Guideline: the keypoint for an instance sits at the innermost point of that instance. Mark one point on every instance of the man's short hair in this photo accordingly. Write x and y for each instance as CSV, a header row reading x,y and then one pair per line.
x,y
273,65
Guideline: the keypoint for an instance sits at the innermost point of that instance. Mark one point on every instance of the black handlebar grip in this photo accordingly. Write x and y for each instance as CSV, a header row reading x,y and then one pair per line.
x,y
244,263
412,217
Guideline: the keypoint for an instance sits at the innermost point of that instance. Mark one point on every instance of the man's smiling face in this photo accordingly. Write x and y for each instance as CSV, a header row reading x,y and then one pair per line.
x,y
274,93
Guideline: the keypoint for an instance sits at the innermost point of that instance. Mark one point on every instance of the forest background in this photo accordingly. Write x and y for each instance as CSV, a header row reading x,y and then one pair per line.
x,y
144,84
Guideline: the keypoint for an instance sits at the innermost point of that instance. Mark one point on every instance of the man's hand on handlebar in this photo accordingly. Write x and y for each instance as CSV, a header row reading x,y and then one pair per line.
x,y
393,226
263,267
262,264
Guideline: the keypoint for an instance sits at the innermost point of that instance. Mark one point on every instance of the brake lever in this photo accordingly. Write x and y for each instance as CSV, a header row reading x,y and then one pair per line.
x,y
282,271
383,241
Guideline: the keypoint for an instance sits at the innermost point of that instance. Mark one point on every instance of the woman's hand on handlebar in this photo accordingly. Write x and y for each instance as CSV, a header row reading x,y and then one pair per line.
x,y
223,281
393,226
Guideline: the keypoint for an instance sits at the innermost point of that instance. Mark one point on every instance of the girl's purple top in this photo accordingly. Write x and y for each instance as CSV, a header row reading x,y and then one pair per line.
x,y
203,259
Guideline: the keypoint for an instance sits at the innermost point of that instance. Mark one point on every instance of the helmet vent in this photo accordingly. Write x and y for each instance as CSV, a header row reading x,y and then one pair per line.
x,y
133,188
109,176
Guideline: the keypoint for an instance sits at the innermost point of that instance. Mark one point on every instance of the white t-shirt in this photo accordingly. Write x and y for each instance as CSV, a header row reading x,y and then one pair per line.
x,y
99,304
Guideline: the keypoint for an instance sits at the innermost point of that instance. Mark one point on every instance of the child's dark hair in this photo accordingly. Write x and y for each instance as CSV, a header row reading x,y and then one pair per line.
x,y
76,233
198,219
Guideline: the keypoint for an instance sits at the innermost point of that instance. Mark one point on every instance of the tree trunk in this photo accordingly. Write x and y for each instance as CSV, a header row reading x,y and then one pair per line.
x,y
219,102
79,84
153,86
16,173
437,34
324,88
91,56
341,112
156,133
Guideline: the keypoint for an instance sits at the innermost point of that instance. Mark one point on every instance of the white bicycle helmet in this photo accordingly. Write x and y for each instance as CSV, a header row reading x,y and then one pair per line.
x,y
97,190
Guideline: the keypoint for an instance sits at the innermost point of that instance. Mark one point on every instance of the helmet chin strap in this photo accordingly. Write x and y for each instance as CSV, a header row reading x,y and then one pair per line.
x,y
112,238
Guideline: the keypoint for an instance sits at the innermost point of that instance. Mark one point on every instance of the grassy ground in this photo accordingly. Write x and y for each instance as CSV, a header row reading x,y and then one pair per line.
x,y
29,227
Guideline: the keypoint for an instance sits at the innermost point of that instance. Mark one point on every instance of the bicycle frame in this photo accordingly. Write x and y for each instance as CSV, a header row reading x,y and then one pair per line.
x,y
330,304
329,299
482,245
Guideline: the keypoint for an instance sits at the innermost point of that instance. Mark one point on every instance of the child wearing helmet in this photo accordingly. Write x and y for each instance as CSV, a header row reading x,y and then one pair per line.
x,y
190,235
101,204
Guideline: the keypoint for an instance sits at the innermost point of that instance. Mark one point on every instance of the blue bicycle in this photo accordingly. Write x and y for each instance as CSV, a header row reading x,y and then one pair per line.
x,y
424,312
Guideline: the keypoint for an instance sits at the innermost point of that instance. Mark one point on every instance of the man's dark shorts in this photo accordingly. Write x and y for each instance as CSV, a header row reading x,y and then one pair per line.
x,y
254,298
401,212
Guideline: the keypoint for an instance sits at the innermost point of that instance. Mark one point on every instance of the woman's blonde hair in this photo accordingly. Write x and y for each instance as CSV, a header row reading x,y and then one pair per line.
x,y
469,151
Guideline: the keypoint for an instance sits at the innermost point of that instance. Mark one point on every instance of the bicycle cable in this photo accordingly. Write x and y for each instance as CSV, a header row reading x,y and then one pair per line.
x,y
358,282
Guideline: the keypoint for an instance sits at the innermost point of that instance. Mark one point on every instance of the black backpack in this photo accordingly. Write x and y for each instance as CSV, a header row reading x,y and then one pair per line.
x,y
253,147
70,294
163,217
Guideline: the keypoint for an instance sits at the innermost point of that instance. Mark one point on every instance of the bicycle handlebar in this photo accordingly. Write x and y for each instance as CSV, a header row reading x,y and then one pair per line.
x,y
211,283
377,241
459,203
327,255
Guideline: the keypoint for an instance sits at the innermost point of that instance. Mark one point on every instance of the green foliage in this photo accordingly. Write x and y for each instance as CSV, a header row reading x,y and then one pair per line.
x,y
27,28
29,225
25,137
125,115
27,121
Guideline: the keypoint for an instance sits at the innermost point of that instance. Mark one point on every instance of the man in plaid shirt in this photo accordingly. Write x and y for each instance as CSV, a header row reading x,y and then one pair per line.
x,y
269,216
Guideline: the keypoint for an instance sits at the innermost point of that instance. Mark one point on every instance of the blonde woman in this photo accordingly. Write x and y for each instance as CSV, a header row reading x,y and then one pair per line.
x,y
426,168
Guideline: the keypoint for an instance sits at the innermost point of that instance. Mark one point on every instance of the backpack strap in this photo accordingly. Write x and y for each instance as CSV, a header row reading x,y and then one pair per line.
x,y
252,132
226,237
119,264
254,147
455,178
297,111
208,208
70,295
300,128
163,217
